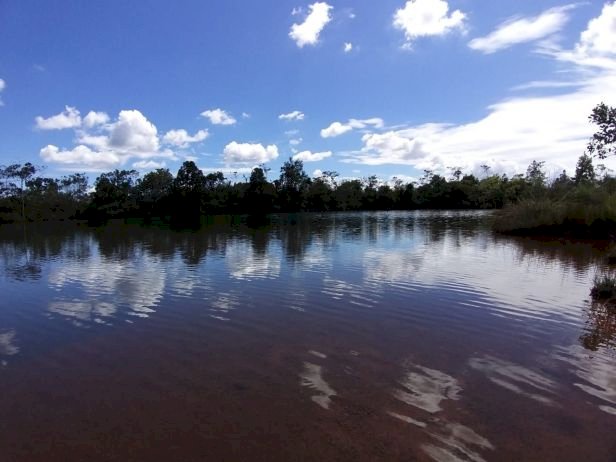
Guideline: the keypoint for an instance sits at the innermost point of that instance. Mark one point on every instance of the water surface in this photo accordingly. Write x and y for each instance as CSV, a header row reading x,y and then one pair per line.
x,y
368,336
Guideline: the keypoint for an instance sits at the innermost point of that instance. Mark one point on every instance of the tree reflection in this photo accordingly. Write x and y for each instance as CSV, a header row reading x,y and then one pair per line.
x,y
600,330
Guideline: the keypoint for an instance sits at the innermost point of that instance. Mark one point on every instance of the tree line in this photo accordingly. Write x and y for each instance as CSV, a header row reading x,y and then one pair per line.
x,y
190,194
26,195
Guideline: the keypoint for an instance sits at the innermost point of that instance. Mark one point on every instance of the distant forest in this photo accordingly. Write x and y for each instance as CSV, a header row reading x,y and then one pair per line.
x,y
190,194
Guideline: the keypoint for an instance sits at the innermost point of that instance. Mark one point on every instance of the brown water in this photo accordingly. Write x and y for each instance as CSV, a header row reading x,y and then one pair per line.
x,y
377,336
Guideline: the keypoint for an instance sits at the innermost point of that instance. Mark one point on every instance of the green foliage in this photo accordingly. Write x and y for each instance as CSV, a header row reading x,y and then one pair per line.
x,y
584,170
114,195
585,211
603,142
604,288
292,185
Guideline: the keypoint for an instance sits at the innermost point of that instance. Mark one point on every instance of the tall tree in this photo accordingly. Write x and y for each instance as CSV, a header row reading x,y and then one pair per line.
x,y
189,185
584,170
293,183
603,142
535,174
23,173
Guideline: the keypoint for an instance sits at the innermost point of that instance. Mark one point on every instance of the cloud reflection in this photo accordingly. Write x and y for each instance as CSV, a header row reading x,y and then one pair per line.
x,y
515,378
425,388
246,264
101,284
596,374
312,377
7,343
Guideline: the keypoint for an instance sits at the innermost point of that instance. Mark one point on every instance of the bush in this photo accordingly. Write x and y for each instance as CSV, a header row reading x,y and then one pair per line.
x,y
604,288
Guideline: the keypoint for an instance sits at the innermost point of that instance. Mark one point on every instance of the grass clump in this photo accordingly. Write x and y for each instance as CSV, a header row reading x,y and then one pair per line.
x,y
604,288
583,213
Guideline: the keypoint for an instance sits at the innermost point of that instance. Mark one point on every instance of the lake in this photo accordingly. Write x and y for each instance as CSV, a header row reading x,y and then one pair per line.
x,y
347,336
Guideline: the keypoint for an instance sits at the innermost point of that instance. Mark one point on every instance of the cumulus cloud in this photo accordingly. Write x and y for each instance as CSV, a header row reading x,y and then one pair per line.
x,y
181,139
521,30
92,119
553,127
307,33
247,153
81,155
599,38
295,115
424,18
307,156
69,118
2,87
348,47
295,141
339,128
103,145
134,132
218,117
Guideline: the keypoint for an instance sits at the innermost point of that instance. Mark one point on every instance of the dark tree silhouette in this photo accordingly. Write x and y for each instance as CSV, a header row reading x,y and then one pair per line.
x,y
603,142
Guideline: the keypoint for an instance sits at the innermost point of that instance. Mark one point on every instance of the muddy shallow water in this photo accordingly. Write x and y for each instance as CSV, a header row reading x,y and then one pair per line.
x,y
368,336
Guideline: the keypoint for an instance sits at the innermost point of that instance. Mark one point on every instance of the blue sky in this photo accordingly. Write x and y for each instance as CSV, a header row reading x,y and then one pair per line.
x,y
363,87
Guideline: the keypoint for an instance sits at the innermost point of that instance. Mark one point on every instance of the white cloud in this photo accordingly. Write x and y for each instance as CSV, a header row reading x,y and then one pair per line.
x,y
335,129
599,38
134,132
247,153
307,156
596,48
423,18
93,119
2,87
245,115
522,30
553,127
229,171
295,115
109,145
182,139
82,156
339,128
348,47
149,165
218,117
69,118
295,141
307,33
538,84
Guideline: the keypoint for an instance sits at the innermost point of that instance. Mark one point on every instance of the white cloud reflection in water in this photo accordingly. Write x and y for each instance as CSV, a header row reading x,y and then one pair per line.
x,y
595,371
83,311
459,444
8,345
106,283
245,263
522,285
515,378
312,377
424,389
